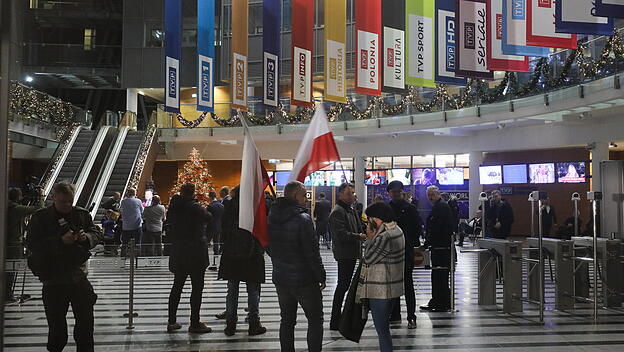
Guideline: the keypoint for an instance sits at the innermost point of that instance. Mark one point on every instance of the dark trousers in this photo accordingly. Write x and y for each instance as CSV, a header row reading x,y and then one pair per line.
x,y
216,239
13,251
410,295
56,301
345,272
440,291
311,300
126,236
197,282
151,244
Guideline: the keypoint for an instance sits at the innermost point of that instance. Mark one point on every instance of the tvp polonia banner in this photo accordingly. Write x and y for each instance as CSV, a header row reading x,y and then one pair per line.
x,y
393,34
514,30
271,40
471,45
497,61
420,18
578,17
335,51
609,8
302,46
173,51
541,26
368,35
240,32
446,36
205,55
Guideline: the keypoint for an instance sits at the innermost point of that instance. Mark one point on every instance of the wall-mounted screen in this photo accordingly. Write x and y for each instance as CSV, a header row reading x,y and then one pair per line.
x,y
450,176
515,173
402,175
375,178
542,173
315,179
490,175
281,178
424,177
571,172
336,178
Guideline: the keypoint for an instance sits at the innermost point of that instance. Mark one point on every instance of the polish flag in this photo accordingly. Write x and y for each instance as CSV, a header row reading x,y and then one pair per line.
x,y
254,180
318,148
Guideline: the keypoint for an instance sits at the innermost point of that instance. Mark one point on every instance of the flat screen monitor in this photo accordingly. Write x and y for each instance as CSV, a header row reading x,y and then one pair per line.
x,y
490,175
336,178
571,172
424,177
402,175
315,179
375,178
281,178
515,174
542,173
450,176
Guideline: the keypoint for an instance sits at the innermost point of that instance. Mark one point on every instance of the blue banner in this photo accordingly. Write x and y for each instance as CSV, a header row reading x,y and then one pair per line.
x,y
205,55
271,40
515,28
446,34
609,8
579,18
173,51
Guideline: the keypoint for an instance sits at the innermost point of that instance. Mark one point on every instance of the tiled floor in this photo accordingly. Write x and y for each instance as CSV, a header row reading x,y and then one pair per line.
x,y
471,328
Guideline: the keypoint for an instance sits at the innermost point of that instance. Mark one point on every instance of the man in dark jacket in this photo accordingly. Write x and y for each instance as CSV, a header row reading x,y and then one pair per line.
x,y
60,238
322,209
439,233
410,223
499,216
347,232
242,260
189,254
298,272
216,208
549,218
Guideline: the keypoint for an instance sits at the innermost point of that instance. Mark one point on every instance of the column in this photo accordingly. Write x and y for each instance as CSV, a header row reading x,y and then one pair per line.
x,y
599,153
132,100
359,166
475,188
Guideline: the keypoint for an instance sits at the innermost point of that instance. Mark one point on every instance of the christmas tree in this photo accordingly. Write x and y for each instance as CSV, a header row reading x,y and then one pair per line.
x,y
195,171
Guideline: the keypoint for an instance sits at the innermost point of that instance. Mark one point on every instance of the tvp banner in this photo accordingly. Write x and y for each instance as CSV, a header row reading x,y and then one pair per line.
x,y
271,40
173,52
335,51
421,55
446,36
471,44
514,30
579,17
302,46
497,61
541,26
609,8
393,34
205,55
240,33
368,35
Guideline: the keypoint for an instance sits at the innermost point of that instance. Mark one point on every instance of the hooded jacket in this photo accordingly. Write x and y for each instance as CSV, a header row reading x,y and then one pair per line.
x,y
293,246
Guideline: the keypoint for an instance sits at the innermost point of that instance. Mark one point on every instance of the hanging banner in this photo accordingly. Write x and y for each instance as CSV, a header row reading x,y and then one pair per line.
x,y
368,29
393,45
471,44
578,17
496,60
302,46
173,52
271,40
541,26
335,51
420,20
609,8
205,55
240,33
514,30
446,35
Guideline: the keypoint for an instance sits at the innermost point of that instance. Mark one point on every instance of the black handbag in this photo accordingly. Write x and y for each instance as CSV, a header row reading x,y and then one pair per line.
x,y
354,315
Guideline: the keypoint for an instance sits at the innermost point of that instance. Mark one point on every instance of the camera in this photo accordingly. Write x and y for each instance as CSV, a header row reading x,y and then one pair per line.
x,y
483,197
576,196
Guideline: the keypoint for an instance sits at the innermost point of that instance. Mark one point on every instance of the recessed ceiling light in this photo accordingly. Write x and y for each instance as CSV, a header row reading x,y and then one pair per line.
x,y
194,95
29,79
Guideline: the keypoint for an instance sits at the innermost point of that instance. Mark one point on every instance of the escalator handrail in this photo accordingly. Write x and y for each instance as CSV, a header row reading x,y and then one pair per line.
x,y
87,163
84,157
59,160
139,164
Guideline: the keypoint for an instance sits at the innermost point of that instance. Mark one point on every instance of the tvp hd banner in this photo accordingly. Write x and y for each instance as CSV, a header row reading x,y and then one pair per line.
x,y
446,36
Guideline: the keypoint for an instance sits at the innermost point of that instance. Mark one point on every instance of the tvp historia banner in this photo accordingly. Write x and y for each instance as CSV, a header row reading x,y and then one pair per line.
x,y
205,55
368,57
514,30
271,40
579,17
393,34
471,45
335,51
541,26
173,51
240,33
609,8
302,46
497,61
420,18
446,36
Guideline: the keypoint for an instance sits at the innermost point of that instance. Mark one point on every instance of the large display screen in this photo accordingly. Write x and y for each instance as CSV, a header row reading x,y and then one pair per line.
x,y
424,177
490,175
450,176
375,178
281,178
542,173
315,179
336,178
402,175
571,172
515,173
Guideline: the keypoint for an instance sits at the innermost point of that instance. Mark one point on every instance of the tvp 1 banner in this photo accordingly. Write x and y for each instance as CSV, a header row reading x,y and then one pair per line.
x,y
471,45
579,17
368,35
609,8
514,30
205,55
446,36
497,61
421,55
541,26
271,40
240,35
302,46
393,47
173,52
335,51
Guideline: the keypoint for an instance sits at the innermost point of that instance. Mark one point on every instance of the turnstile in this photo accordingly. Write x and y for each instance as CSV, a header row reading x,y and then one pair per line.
x,y
560,252
491,253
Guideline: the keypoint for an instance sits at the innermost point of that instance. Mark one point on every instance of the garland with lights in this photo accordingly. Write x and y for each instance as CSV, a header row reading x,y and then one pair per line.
x,y
28,102
142,157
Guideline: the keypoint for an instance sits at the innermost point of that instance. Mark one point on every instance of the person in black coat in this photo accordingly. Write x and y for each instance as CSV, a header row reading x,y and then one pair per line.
x,y
215,208
549,218
189,254
410,223
499,217
298,272
322,209
439,234
242,260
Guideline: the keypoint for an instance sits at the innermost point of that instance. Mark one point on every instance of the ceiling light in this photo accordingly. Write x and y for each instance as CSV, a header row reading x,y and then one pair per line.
x,y
29,79
613,145
141,92
194,95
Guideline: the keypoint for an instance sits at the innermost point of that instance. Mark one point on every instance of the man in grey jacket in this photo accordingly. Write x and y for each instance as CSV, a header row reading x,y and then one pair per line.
x,y
347,233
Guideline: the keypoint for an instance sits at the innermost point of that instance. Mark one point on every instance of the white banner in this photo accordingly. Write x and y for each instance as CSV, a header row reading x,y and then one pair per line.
x,y
394,58
472,40
302,77
336,64
515,30
422,51
205,91
497,60
271,79
581,11
172,98
543,19
368,60
240,80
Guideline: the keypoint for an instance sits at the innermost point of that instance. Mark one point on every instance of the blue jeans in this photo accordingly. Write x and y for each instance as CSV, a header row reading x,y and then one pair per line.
x,y
381,309
253,301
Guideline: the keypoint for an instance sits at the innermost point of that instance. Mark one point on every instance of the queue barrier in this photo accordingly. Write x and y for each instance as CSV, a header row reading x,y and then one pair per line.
x,y
560,252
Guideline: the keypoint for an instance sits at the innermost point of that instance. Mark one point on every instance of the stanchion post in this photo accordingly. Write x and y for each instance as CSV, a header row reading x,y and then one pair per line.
x,y
539,197
595,197
532,200
131,314
452,267
482,198
576,198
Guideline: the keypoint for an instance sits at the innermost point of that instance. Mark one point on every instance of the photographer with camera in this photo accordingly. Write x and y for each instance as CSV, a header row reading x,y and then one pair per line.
x,y
59,238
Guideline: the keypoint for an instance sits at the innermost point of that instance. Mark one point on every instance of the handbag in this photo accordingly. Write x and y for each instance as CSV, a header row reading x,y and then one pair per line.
x,y
353,319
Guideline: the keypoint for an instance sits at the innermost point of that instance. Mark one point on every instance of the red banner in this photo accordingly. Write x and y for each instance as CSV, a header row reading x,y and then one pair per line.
x,y
302,46
541,29
368,56
497,61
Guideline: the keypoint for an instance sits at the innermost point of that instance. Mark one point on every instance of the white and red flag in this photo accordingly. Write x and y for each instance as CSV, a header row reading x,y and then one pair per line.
x,y
318,148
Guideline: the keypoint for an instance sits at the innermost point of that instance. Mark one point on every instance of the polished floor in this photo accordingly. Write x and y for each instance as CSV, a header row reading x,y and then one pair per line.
x,y
470,328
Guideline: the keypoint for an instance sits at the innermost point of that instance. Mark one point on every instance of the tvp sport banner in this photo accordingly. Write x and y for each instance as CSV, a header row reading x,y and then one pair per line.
x,y
393,50
368,35
446,36
514,30
302,46
335,51
173,52
471,44
579,17
205,55
497,61
609,8
541,26
271,40
240,33
421,55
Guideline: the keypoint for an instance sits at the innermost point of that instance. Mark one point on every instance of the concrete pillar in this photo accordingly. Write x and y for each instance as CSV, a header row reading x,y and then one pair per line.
x,y
598,154
132,100
359,166
475,188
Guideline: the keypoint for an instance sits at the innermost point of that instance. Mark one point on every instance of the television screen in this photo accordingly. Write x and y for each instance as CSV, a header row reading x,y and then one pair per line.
x,y
571,172
375,178
281,177
315,179
402,175
542,173
424,177
515,173
490,175
336,178
450,176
